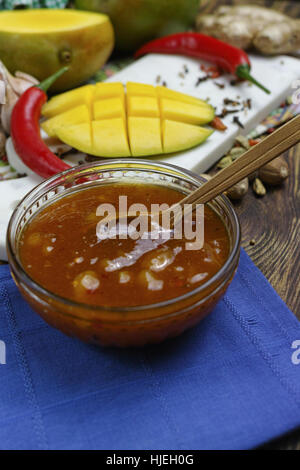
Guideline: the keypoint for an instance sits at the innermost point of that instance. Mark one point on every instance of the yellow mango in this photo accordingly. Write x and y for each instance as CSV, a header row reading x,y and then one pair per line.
x,y
77,136
41,41
109,109
140,89
73,116
163,92
70,99
144,136
109,90
181,136
143,106
110,138
95,119
185,112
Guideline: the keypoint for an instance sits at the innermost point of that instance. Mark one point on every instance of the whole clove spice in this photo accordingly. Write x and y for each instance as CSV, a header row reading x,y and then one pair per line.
x,y
238,122
226,111
228,101
201,79
249,103
220,85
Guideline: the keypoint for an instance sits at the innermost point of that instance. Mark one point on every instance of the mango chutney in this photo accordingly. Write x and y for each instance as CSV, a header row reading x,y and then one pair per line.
x,y
118,292
61,251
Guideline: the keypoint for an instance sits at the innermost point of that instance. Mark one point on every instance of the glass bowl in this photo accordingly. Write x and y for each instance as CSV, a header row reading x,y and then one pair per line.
x,y
132,326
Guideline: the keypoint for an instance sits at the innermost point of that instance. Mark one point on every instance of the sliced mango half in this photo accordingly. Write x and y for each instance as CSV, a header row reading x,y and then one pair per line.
x,y
140,89
144,136
109,90
164,92
101,120
68,118
70,99
185,112
109,109
78,136
143,106
110,138
181,136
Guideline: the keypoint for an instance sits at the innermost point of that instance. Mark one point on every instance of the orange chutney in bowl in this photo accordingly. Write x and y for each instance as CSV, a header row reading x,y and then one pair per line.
x,y
61,251
118,290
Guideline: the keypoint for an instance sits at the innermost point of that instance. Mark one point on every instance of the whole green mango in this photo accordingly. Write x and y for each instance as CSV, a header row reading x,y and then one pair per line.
x,y
137,21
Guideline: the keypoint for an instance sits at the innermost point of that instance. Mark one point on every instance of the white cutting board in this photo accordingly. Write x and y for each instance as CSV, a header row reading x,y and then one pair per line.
x,y
278,74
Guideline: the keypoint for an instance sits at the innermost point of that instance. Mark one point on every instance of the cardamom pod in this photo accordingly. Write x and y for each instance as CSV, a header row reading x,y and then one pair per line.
x,y
274,172
243,141
236,152
259,188
224,162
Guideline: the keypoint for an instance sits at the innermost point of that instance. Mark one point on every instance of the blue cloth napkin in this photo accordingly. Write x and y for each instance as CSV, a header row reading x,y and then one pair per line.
x,y
233,382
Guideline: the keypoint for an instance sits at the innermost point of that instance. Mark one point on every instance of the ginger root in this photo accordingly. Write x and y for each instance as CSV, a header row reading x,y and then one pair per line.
x,y
245,26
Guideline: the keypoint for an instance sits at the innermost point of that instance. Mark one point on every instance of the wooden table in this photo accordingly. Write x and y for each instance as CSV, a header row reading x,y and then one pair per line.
x,y
273,223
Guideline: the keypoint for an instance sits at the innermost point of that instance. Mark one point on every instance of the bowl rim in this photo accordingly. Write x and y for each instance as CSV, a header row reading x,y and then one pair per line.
x,y
150,166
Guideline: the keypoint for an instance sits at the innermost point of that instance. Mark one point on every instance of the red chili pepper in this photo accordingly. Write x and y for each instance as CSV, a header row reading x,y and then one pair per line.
x,y
25,130
227,57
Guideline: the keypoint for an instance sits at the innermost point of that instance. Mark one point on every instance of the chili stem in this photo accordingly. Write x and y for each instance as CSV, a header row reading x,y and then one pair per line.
x,y
45,84
244,72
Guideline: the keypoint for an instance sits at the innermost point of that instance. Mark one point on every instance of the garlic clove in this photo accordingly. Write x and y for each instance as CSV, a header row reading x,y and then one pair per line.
x,y
6,110
19,85
27,77
10,89
2,92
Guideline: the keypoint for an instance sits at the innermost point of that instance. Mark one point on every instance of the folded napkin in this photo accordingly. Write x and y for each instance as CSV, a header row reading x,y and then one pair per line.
x,y
233,382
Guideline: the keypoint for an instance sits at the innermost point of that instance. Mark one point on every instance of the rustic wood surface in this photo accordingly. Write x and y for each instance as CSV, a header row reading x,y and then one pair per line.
x,y
273,222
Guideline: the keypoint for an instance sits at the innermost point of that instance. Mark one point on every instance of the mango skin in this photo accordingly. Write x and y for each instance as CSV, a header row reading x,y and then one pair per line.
x,y
85,51
138,21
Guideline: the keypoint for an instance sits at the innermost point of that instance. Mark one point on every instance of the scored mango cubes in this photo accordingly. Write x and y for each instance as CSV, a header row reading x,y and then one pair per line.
x,y
144,136
110,138
104,121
